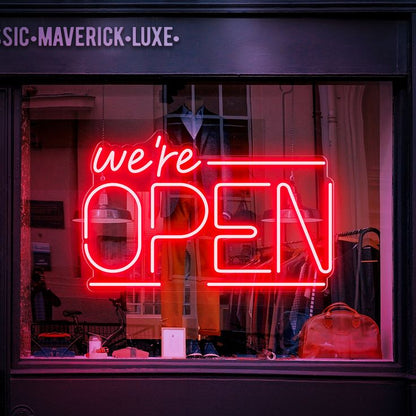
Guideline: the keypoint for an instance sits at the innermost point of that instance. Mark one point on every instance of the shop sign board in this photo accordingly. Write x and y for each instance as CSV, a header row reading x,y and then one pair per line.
x,y
161,45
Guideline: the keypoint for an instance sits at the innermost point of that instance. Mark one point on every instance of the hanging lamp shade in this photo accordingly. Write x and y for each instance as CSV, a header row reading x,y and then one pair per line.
x,y
288,215
110,215
104,214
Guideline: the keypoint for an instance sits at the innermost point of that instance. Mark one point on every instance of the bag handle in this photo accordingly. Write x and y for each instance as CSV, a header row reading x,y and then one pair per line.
x,y
340,305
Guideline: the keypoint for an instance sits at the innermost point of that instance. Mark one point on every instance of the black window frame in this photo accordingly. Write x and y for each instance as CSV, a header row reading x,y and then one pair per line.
x,y
402,184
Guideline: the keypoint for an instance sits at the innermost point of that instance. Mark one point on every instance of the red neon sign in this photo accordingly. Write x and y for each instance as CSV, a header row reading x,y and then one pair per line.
x,y
86,228
144,174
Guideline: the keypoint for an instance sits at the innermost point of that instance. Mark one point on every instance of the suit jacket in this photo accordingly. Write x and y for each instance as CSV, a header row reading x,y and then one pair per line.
x,y
208,144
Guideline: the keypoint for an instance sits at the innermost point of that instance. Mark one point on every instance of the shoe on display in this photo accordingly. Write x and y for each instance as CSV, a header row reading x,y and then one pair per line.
x,y
210,351
192,349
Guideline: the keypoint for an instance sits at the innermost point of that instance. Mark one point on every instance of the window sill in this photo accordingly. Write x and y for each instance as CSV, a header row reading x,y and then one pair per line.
x,y
207,367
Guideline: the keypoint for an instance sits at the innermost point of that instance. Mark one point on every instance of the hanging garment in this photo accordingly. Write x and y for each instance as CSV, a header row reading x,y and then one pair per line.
x,y
179,213
356,277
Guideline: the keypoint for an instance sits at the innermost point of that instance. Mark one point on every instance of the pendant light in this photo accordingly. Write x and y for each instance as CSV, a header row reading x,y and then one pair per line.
x,y
288,215
104,213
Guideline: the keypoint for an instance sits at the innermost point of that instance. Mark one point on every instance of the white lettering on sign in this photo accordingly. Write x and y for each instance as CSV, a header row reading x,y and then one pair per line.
x,y
88,36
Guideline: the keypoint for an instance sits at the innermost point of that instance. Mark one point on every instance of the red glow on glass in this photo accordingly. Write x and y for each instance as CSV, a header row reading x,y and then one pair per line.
x,y
86,227
156,167
266,284
270,163
185,235
124,284
139,158
251,230
324,270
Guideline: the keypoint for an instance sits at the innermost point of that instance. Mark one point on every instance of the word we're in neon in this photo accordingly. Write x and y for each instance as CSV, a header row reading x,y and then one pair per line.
x,y
138,159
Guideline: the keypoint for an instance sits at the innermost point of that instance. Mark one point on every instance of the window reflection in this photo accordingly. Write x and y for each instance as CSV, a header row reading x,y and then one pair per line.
x,y
346,124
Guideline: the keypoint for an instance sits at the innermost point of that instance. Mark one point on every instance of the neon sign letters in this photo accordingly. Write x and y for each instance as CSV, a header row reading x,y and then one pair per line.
x,y
155,174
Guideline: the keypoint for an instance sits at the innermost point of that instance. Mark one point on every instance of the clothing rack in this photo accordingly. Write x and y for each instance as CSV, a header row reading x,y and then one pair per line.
x,y
361,233
269,331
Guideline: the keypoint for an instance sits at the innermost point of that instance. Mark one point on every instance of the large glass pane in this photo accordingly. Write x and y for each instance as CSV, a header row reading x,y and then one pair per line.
x,y
233,215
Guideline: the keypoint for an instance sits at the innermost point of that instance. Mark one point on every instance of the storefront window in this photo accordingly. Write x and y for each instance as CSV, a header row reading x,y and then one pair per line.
x,y
207,220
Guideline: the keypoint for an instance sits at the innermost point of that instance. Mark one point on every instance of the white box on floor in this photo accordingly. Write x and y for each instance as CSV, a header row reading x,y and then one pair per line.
x,y
173,343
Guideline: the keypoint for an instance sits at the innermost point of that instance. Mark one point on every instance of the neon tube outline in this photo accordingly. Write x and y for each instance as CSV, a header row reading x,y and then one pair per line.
x,y
172,236
86,230
234,227
109,162
266,163
330,267
124,284
253,229
265,284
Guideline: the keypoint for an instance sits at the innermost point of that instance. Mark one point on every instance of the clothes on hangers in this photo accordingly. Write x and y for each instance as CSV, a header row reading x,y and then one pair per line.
x,y
356,277
274,318
295,309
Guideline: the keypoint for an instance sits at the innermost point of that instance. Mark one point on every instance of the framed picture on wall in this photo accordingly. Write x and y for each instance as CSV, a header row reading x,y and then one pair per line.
x,y
47,214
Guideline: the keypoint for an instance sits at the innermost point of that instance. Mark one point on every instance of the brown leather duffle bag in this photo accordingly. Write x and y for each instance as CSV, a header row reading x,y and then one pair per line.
x,y
340,332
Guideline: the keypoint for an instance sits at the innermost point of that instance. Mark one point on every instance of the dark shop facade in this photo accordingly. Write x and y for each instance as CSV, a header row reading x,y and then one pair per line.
x,y
207,207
